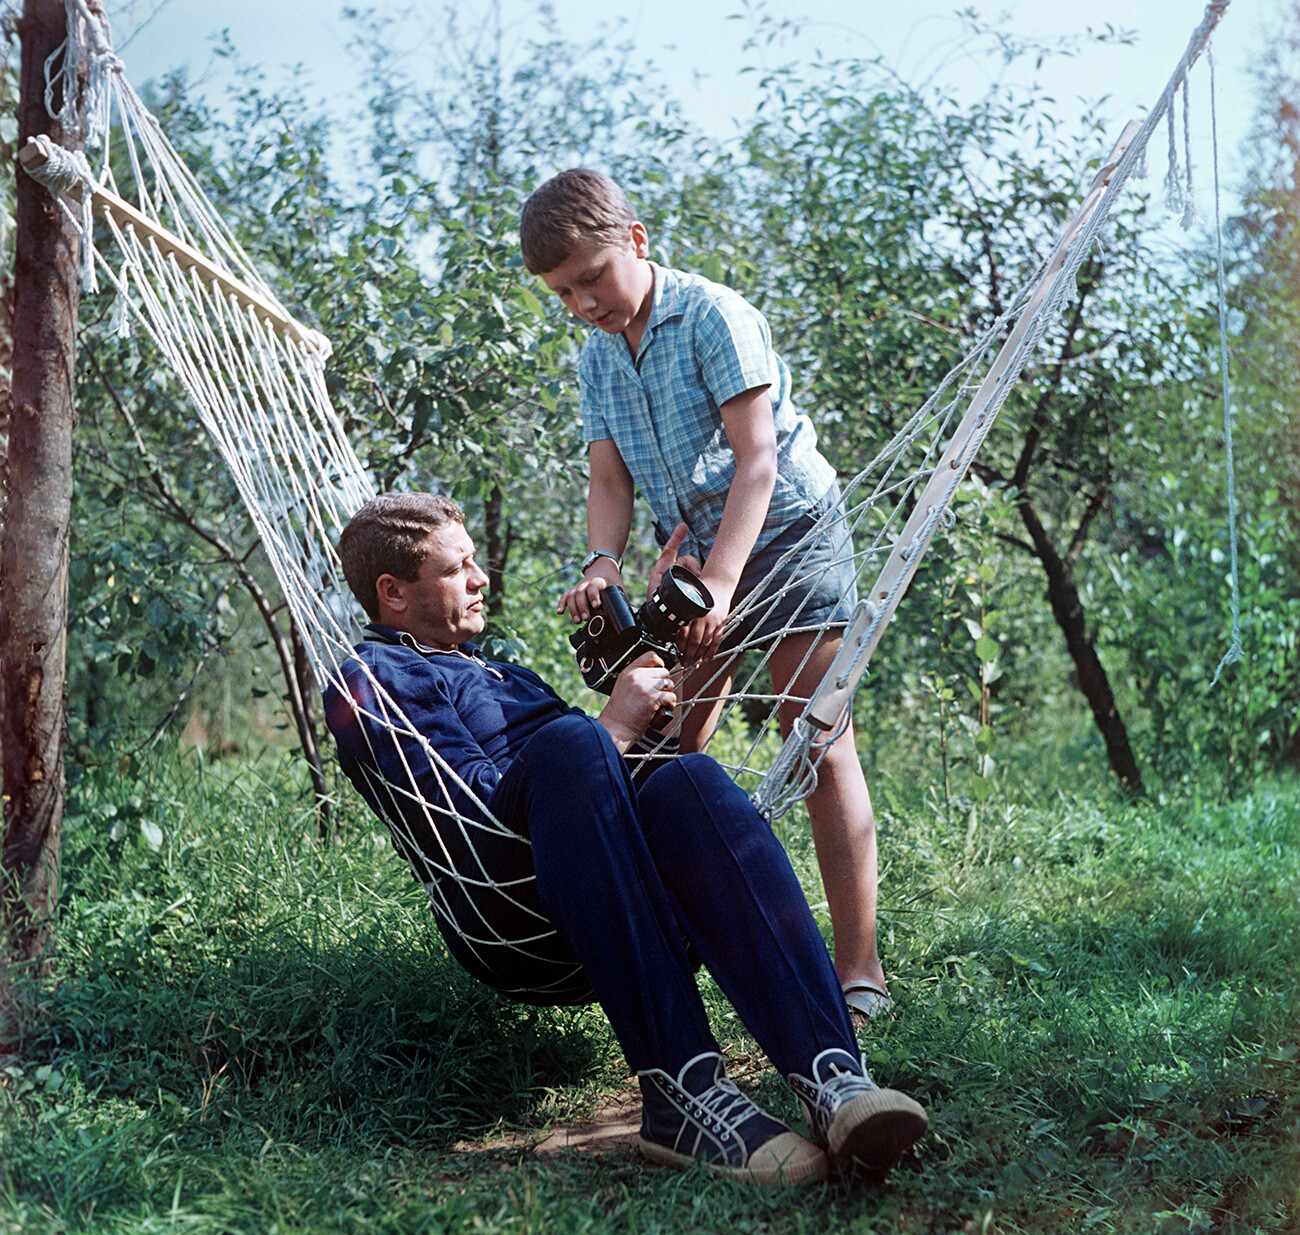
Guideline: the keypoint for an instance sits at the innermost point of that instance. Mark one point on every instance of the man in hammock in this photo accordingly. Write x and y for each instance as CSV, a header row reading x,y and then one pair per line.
x,y
634,881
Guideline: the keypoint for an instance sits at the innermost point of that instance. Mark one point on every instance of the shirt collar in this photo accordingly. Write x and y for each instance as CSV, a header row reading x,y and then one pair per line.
x,y
377,632
667,304
668,296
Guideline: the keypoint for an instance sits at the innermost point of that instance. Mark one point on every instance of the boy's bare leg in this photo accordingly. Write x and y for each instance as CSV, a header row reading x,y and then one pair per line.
x,y
843,823
709,683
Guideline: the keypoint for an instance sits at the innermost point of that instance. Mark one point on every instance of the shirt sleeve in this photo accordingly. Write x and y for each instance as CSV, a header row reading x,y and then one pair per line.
x,y
404,726
591,393
733,348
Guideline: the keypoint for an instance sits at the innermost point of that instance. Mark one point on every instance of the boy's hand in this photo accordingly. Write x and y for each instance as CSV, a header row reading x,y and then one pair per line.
x,y
701,639
641,691
583,598
669,558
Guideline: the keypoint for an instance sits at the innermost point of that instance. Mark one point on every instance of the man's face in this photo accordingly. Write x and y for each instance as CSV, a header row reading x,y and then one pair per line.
x,y
608,286
443,606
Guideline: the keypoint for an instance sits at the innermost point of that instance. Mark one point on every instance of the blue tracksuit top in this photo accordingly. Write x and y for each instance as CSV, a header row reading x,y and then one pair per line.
x,y
477,714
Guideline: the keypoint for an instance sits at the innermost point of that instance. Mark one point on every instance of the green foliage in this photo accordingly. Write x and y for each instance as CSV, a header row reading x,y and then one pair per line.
x,y
448,370
1096,1002
880,229
964,686
972,669
206,936
1175,600
862,185
133,582
894,229
1266,358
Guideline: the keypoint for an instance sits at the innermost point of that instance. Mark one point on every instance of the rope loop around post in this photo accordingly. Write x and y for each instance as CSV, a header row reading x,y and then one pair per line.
x,y
64,172
67,173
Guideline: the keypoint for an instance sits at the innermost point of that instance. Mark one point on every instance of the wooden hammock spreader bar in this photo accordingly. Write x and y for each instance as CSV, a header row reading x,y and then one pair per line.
x,y
31,156
835,693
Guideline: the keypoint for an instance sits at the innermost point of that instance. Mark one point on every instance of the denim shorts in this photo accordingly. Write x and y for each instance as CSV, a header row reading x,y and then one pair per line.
x,y
815,588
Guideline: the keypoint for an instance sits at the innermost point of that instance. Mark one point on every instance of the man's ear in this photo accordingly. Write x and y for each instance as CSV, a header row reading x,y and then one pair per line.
x,y
391,594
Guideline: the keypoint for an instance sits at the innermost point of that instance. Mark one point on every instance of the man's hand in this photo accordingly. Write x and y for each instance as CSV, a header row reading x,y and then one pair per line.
x,y
641,691
583,598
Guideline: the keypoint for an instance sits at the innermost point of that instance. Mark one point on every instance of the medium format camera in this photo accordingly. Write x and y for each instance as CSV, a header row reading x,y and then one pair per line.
x,y
613,637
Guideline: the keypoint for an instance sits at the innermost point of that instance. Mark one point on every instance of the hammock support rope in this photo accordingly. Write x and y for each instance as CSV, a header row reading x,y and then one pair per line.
x,y
831,701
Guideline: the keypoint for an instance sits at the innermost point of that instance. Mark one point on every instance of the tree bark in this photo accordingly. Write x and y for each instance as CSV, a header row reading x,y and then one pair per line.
x,y
304,712
497,533
1062,591
1067,608
34,546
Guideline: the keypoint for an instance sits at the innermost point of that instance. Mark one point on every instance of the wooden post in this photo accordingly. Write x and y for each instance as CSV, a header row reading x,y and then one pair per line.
x,y
34,545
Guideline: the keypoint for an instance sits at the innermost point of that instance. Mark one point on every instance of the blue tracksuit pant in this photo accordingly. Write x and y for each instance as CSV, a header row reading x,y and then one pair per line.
x,y
629,875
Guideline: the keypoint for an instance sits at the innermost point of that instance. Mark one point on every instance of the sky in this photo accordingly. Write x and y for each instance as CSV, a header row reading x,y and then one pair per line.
x,y
701,46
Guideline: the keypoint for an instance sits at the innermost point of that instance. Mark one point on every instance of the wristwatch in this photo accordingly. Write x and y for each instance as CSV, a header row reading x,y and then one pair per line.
x,y
590,560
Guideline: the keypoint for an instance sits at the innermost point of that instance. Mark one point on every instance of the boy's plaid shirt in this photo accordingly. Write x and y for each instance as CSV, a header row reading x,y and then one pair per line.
x,y
704,344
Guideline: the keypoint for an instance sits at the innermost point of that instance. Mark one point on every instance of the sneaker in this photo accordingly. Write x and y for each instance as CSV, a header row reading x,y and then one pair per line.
x,y
852,1117
700,1116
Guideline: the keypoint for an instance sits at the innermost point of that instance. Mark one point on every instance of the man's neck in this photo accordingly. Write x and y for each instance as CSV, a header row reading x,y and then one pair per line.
x,y
434,646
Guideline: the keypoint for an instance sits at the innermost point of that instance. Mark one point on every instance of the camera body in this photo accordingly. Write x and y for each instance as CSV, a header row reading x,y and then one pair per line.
x,y
614,636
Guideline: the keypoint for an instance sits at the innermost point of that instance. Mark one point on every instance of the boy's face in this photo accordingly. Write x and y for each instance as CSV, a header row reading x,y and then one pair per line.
x,y
609,286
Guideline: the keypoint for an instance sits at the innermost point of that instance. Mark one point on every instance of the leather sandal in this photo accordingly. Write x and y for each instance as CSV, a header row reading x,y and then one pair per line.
x,y
866,998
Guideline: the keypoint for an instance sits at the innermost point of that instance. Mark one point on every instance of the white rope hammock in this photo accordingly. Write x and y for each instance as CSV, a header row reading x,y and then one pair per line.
x,y
256,379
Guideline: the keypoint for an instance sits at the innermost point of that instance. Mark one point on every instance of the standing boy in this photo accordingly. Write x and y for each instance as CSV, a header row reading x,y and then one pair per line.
x,y
684,398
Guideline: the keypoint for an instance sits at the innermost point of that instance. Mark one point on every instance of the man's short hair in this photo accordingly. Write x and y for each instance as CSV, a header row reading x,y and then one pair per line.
x,y
389,536
578,204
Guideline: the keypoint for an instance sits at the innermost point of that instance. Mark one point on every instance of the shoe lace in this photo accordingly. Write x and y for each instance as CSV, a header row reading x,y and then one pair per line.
x,y
722,1106
844,1083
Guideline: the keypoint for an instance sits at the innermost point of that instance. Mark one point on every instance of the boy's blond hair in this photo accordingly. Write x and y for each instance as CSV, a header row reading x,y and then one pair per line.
x,y
578,204
389,535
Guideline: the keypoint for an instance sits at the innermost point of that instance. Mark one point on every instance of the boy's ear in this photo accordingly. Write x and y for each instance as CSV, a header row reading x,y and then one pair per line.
x,y
640,238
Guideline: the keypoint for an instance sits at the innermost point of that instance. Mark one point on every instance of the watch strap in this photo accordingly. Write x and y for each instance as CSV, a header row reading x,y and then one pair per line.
x,y
590,560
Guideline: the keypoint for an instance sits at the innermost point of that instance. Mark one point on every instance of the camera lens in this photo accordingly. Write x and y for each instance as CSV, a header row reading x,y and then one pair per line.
x,y
681,597
693,595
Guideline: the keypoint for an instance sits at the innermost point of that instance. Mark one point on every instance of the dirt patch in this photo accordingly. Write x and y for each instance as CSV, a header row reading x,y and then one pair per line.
x,y
612,1129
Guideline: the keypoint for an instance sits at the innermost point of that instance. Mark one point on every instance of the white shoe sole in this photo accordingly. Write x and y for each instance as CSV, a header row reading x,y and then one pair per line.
x,y
784,1160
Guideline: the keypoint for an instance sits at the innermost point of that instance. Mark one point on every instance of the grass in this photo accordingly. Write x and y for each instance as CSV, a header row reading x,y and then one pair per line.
x,y
1098,1002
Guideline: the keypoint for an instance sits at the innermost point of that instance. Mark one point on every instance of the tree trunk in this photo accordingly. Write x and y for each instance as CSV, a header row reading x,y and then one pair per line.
x,y
1067,608
496,531
307,730
1062,591
34,546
